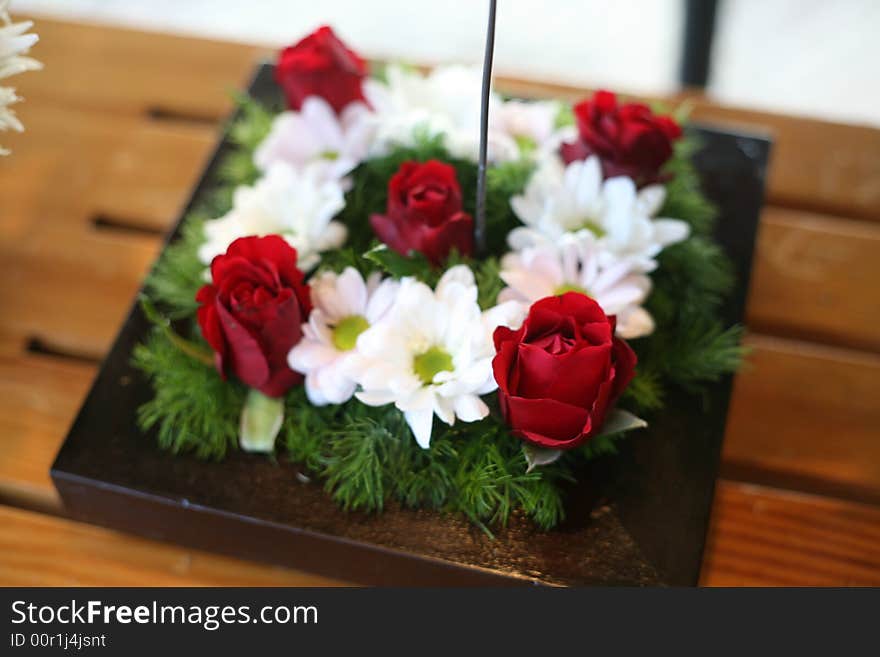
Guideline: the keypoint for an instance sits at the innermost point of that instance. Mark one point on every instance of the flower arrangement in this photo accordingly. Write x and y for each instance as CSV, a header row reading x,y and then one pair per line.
x,y
328,304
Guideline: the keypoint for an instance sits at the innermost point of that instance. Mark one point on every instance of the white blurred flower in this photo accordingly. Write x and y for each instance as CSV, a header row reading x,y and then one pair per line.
x,y
316,137
530,125
297,205
577,264
432,353
344,307
559,200
14,44
445,101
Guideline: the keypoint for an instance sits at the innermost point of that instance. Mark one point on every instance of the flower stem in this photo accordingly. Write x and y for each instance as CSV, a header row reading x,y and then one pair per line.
x,y
191,349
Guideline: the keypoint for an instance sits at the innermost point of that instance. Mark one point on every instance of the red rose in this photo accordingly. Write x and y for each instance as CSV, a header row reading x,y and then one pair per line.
x,y
629,139
320,65
560,373
252,313
424,212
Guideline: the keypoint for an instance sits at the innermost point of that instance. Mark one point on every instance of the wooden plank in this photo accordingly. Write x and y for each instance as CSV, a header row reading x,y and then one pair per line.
x,y
814,277
764,537
71,287
39,397
148,177
73,165
807,416
40,550
817,165
120,70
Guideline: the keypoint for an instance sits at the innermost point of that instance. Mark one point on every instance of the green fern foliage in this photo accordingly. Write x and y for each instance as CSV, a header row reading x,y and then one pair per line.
x,y
365,457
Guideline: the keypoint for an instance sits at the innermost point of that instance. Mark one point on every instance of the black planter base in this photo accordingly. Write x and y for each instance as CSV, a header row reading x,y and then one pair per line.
x,y
638,518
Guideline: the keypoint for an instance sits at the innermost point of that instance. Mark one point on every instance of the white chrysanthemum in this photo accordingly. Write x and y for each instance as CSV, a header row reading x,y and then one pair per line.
x,y
14,44
530,125
559,200
578,264
316,137
344,307
297,205
445,101
432,352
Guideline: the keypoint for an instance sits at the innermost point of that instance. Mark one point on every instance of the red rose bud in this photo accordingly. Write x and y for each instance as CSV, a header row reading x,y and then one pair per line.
x,y
629,139
561,372
252,312
320,65
424,213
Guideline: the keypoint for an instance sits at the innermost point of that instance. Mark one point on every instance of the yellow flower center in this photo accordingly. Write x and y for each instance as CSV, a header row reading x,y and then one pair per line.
x,y
328,155
526,144
570,287
431,362
346,332
593,227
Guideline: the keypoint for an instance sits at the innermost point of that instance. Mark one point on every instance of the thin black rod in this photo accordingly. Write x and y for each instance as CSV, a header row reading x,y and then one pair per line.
x,y
480,228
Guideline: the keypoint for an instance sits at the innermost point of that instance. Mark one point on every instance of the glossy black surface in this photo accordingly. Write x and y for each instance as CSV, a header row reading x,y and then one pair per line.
x,y
639,518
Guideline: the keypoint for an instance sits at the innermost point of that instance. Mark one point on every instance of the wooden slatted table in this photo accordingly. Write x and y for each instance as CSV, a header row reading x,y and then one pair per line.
x,y
118,126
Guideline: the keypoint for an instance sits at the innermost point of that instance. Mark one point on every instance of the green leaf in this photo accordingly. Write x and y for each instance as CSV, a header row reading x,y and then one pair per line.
x,y
619,421
538,456
398,266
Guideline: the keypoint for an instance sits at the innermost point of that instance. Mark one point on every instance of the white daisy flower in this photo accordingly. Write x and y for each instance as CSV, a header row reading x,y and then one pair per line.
x,y
577,264
432,353
531,125
297,205
559,200
344,307
316,137
14,44
445,102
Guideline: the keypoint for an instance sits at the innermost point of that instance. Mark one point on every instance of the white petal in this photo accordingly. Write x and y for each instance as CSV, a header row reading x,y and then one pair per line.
x,y
670,231
444,408
470,408
613,301
375,397
635,323
309,355
420,422
457,279
651,199
352,292
381,300
314,392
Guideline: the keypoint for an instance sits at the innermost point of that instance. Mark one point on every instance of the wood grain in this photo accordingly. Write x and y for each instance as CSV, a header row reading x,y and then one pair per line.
x,y
807,415
39,397
41,550
126,71
817,165
763,537
815,277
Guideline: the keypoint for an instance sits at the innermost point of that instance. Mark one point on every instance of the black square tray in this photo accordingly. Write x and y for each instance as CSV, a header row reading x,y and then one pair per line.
x,y
638,518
